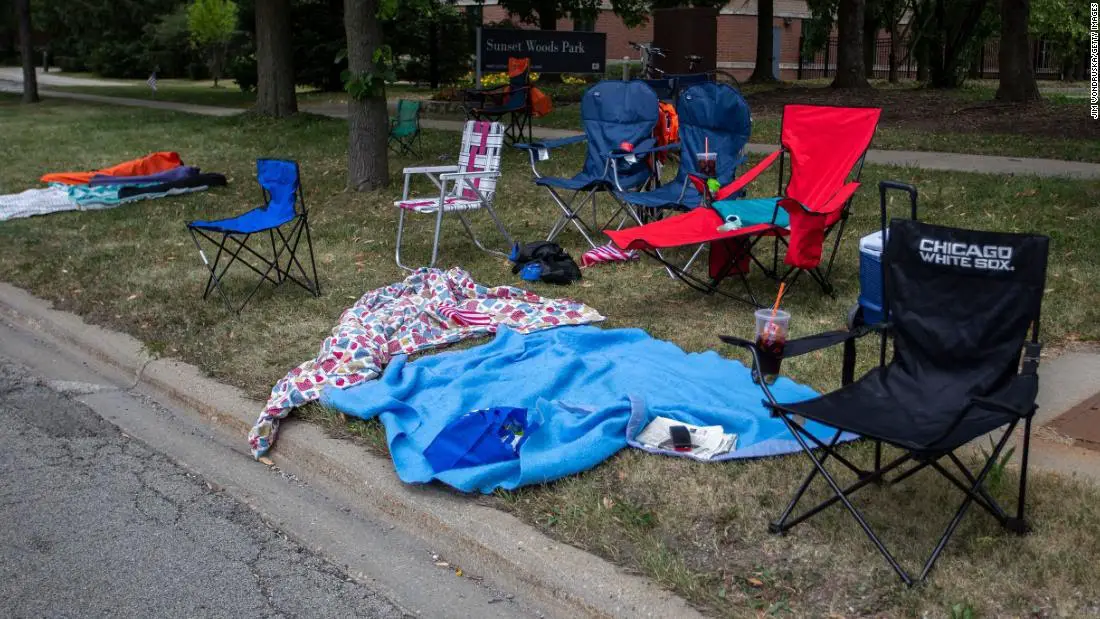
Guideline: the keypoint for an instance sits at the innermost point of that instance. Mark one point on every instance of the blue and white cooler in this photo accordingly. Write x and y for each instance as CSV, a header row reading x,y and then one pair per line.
x,y
869,310
870,278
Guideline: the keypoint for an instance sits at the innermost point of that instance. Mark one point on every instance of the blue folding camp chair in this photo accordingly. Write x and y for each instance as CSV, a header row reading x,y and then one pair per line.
x,y
713,118
283,204
613,113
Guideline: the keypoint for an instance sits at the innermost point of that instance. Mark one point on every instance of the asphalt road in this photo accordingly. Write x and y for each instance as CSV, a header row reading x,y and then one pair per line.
x,y
93,523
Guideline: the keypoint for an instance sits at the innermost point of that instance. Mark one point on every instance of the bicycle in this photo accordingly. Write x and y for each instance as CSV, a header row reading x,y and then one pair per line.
x,y
647,51
714,75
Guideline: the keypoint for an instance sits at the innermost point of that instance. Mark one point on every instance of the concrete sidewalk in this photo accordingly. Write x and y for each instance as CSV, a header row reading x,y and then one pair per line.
x,y
950,162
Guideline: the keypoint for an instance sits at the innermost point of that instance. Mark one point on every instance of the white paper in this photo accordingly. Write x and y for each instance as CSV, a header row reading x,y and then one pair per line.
x,y
707,442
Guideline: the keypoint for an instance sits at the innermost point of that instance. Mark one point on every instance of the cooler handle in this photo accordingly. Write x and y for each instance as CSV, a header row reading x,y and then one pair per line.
x,y
883,186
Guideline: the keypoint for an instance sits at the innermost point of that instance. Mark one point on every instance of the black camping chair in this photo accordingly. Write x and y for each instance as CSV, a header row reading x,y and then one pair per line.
x,y
512,100
283,219
959,304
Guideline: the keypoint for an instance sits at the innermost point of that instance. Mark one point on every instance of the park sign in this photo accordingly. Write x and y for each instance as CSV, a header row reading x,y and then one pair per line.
x,y
550,51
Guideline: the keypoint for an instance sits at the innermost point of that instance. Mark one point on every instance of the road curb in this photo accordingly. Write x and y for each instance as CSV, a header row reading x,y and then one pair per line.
x,y
483,540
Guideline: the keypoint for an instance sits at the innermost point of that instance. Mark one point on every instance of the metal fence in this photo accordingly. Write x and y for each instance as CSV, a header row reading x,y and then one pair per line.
x,y
985,66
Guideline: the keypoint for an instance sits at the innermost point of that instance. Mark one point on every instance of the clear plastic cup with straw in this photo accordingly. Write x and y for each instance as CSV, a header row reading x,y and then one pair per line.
x,y
772,327
706,161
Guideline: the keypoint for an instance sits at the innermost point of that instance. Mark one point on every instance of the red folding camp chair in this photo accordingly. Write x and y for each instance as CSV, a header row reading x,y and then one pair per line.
x,y
826,146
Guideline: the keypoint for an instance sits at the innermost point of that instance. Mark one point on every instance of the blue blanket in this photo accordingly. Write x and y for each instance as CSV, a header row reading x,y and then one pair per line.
x,y
581,385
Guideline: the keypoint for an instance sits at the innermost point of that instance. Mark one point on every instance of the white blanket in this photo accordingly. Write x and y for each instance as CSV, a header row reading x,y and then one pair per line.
x,y
35,202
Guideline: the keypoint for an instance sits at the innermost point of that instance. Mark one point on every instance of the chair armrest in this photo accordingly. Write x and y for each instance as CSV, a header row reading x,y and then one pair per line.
x,y
432,169
470,174
552,144
755,353
810,343
838,199
738,183
645,146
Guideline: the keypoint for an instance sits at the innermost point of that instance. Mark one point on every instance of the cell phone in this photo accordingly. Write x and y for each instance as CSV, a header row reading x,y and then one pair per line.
x,y
681,438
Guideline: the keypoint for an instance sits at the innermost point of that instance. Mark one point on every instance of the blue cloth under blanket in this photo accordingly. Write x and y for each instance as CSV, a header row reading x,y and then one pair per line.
x,y
581,385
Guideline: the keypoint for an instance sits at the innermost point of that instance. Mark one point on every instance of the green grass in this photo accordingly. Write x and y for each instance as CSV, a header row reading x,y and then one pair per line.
x,y
697,529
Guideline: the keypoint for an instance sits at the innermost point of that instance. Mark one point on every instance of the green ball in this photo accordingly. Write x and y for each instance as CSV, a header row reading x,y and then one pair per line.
x,y
712,185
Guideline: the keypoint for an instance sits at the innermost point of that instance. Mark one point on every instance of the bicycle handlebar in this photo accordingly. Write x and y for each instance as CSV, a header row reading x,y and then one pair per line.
x,y
647,47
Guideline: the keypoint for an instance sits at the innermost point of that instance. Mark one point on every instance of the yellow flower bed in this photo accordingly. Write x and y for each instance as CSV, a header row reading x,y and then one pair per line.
x,y
492,80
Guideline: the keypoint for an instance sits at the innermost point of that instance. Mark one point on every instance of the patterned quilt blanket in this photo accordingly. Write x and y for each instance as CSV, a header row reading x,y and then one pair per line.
x,y
429,309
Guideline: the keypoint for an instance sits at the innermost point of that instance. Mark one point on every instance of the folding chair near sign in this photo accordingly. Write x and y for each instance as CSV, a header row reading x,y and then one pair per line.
x,y
281,225
512,101
819,164
618,118
962,308
464,188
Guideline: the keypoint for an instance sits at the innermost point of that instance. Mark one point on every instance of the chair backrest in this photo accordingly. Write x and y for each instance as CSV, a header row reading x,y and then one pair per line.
x,y
480,152
519,75
687,80
961,302
713,117
613,112
280,180
665,87
408,111
824,144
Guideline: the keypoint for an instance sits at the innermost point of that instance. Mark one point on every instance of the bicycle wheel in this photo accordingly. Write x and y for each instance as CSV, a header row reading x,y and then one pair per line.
x,y
723,77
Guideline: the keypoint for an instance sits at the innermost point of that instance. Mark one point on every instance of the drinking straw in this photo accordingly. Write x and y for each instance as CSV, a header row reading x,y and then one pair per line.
x,y
778,297
706,145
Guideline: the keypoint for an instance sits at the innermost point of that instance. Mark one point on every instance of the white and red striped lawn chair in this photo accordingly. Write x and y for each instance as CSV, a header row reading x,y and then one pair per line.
x,y
468,186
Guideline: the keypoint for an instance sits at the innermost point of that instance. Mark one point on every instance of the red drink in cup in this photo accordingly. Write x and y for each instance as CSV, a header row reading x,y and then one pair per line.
x,y
771,338
707,164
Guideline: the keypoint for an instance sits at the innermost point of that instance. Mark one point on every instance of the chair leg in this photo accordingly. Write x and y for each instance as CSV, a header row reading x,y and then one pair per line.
x,y
570,215
1019,524
499,226
844,500
213,282
435,237
978,481
400,234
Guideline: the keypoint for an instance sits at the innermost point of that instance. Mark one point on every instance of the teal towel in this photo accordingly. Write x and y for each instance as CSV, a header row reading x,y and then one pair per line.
x,y
752,211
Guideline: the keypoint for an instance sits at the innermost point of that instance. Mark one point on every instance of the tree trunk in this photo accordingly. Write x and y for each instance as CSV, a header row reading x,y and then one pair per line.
x,y
849,52
26,50
1017,79
368,123
274,60
870,39
765,19
548,15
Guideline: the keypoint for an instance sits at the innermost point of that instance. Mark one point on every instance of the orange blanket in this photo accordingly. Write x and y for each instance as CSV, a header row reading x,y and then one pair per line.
x,y
149,164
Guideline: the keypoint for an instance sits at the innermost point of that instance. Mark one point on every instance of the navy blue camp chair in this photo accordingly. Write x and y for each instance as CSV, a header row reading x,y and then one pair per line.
x,y
713,117
613,112
283,205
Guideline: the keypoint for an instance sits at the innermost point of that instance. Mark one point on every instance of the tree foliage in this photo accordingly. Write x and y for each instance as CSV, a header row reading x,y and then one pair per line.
x,y
109,38
1064,23
212,24
546,13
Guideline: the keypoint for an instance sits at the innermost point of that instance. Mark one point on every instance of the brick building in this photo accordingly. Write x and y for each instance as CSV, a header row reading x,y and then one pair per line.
x,y
736,33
